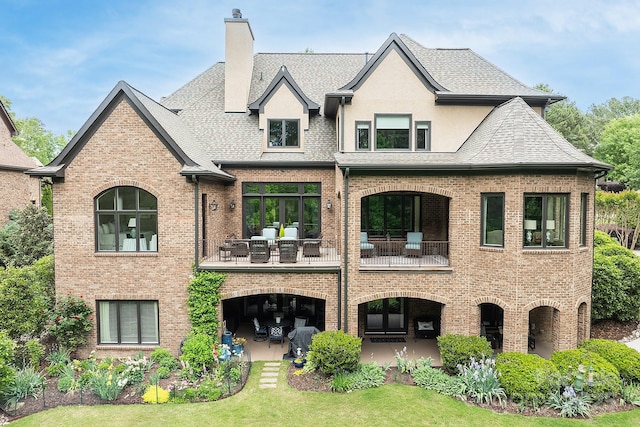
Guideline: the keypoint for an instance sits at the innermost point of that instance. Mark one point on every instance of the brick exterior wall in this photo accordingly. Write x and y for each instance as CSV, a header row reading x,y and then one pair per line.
x,y
124,151
545,286
517,280
16,189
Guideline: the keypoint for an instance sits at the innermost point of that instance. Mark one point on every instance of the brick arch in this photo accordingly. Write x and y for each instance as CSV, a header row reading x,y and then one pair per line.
x,y
419,188
400,294
542,302
580,302
273,290
491,300
123,183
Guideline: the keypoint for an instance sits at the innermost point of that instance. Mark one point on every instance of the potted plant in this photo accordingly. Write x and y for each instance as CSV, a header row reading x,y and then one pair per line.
x,y
299,361
237,345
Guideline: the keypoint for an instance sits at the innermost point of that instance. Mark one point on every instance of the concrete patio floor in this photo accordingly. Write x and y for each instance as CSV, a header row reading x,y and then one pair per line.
x,y
380,352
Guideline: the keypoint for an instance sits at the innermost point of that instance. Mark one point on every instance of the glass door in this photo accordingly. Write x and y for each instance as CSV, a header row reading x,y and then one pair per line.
x,y
386,316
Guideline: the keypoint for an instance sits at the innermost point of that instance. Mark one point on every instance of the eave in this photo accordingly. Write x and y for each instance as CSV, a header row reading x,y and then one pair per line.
x,y
448,98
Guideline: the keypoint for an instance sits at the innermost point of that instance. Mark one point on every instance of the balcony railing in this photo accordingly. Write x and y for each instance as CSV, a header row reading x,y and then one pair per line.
x,y
399,253
323,253
254,253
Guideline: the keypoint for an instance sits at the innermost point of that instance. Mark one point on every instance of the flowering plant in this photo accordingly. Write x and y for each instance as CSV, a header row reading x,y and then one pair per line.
x,y
70,321
481,380
238,340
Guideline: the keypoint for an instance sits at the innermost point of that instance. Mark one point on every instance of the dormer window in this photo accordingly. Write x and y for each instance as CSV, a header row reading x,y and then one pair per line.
x,y
284,133
423,136
393,132
362,135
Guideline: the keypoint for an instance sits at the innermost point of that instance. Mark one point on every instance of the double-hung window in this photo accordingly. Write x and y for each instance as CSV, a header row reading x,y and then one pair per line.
x,y
393,132
284,133
546,217
492,219
584,205
128,322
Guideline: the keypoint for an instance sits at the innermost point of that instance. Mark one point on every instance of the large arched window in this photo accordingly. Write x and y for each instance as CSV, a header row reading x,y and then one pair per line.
x,y
126,220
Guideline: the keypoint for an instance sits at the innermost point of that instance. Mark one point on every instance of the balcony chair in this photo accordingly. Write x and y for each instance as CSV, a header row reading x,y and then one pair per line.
x,y
311,247
413,247
366,248
271,235
288,249
259,248
276,333
260,332
290,233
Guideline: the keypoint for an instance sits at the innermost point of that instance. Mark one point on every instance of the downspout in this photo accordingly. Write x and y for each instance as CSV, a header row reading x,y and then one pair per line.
x,y
339,298
545,108
342,101
196,193
346,249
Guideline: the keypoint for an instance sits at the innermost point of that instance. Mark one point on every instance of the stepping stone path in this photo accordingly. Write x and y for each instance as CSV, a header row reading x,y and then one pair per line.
x,y
269,375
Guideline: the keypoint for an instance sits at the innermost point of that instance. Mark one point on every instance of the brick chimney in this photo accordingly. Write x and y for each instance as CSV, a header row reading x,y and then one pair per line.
x,y
238,63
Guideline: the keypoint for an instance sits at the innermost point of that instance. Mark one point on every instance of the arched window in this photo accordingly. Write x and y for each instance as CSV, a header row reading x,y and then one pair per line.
x,y
126,220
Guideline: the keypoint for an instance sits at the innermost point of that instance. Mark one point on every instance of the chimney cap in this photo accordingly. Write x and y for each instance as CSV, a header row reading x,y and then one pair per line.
x,y
236,13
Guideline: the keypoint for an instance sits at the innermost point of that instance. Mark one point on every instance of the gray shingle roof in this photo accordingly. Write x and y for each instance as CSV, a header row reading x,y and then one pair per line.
x,y
513,135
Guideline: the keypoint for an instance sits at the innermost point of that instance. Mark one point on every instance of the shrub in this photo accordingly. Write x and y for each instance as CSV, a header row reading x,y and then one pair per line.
x,y
527,378
367,375
341,382
35,351
7,373
481,381
208,390
163,372
155,394
335,351
569,404
616,283
623,357
135,369
606,379
24,301
107,384
459,349
70,321
171,364
197,351
66,383
437,380
159,355
58,359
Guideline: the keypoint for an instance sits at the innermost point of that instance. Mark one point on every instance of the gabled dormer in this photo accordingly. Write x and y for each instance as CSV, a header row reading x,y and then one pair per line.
x,y
284,112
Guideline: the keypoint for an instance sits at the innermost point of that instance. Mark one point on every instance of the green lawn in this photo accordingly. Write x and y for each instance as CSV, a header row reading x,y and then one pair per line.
x,y
390,405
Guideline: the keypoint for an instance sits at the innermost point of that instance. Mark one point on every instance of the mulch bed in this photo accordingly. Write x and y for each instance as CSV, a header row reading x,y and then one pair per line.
x,y
307,382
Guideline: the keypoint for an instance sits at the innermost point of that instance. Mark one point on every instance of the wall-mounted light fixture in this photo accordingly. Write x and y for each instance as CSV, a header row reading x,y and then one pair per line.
x,y
329,205
213,205
232,205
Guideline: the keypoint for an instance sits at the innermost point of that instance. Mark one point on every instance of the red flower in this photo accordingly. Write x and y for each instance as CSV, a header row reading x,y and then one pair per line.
x,y
58,319
77,318
70,303
91,318
80,296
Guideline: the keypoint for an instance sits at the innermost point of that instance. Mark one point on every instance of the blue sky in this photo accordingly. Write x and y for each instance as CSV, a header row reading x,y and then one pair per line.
x,y
60,58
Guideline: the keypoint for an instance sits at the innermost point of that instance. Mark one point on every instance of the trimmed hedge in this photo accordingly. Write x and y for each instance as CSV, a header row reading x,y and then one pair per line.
x,y
527,378
334,351
624,358
458,349
606,379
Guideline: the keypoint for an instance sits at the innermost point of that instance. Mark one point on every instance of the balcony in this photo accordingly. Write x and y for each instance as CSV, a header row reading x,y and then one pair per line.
x,y
321,254
396,254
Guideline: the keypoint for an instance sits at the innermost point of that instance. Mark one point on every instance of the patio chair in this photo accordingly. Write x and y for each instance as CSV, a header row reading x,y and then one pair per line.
x,y
366,248
270,234
276,333
413,247
259,248
299,322
260,332
288,249
311,247
290,233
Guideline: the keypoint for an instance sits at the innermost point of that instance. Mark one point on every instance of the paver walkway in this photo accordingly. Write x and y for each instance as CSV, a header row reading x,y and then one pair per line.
x,y
269,375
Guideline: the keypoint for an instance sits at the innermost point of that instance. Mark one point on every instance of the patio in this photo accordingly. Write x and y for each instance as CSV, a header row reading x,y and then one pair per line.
x,y
380,352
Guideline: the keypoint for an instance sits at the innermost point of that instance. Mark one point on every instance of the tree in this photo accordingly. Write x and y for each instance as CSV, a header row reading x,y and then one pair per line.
x,y
567,119
620,146
27,238
618,214
34,139
600,115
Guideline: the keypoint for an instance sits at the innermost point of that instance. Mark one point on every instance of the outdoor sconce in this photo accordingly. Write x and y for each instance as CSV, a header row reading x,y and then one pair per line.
x,y
232,205
329,205
213,206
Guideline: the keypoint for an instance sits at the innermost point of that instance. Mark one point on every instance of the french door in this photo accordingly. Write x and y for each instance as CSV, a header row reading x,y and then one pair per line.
x,y
386,316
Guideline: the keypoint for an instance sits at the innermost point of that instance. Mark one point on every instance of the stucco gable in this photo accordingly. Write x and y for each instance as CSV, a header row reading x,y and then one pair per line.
x,y
11,156
284,78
